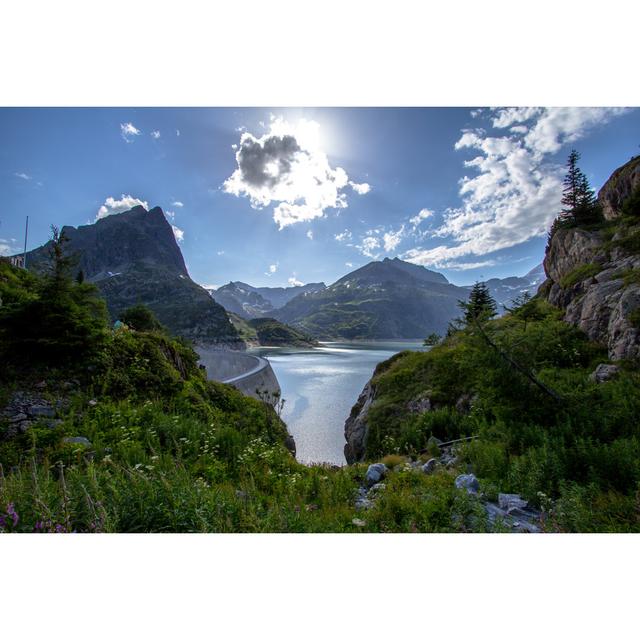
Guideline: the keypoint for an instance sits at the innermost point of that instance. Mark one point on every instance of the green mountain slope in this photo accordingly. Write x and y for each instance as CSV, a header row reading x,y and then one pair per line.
x,y
388,299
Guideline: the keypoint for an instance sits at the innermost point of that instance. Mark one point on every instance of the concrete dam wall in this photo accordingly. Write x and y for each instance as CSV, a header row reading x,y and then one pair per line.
x,y
249,374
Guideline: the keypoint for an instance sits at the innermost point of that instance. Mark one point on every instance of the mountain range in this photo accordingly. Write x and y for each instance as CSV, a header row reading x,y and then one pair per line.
x,y
390,299
257,302
506,290
133,258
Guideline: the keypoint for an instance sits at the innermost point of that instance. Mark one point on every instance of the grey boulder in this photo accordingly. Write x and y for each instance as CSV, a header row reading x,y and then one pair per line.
x,y
430,466
468,482
511,501
375,473
604,372
78,440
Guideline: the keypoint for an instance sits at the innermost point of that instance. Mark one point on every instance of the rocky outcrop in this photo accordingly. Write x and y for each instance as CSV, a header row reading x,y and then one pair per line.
x,y
355,428
622,183
25,408
590,272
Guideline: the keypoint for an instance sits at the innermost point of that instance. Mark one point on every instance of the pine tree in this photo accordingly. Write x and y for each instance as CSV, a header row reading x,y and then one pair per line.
x,y
479,306
572,184
580,206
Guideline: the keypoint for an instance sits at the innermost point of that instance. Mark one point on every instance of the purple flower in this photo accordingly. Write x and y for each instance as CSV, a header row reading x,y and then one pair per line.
x,y
12,512
3,522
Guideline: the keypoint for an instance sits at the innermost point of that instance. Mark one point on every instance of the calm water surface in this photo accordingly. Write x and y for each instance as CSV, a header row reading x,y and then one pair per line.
x,y
320,386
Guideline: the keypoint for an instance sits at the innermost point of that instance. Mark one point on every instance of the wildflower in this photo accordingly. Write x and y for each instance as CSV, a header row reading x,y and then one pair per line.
x,y
12,513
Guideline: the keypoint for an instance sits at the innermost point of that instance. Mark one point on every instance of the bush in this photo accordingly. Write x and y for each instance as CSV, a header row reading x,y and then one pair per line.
x,y
141,318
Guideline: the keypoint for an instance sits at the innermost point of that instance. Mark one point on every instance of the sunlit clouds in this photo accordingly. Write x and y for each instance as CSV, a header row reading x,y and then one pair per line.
x,y
287,167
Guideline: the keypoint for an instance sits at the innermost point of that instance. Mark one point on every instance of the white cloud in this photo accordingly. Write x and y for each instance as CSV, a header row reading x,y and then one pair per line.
x,y
178,204
516,192
513,115
271,270
170,215
220,253
294,282
177,133
287,166
348,264
361,188
368,247
342,237
6,247
178,233
310,234
155,134
392,239
423,214
128,131
112,206
23,176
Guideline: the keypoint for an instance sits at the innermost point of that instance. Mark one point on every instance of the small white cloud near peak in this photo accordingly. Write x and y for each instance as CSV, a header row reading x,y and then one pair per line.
x,y
22,176
294,282
310,234
178,233
170,215
178,204
112,206
155,134
271,270
369,246
392,239
423,214
128,131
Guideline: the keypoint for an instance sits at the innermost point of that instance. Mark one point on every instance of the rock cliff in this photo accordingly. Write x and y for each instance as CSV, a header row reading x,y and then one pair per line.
x,y
593,274
355,428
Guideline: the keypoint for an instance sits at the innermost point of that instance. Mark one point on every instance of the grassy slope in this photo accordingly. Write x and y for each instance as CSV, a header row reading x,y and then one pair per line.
x,y
583,453
171,451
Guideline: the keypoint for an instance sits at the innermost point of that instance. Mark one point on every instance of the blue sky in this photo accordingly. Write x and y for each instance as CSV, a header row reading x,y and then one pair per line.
x,y
273,196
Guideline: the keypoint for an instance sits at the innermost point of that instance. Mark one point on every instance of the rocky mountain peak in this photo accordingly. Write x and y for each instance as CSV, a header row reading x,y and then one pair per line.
x,y
133,258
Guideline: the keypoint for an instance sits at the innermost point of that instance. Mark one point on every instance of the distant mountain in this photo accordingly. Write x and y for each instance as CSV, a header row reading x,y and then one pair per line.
x,y
388,299
242,299
279,296
133,258
506,290
256,302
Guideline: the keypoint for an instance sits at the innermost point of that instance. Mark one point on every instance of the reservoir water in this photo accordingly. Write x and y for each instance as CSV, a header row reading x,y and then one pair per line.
x,y
320,386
